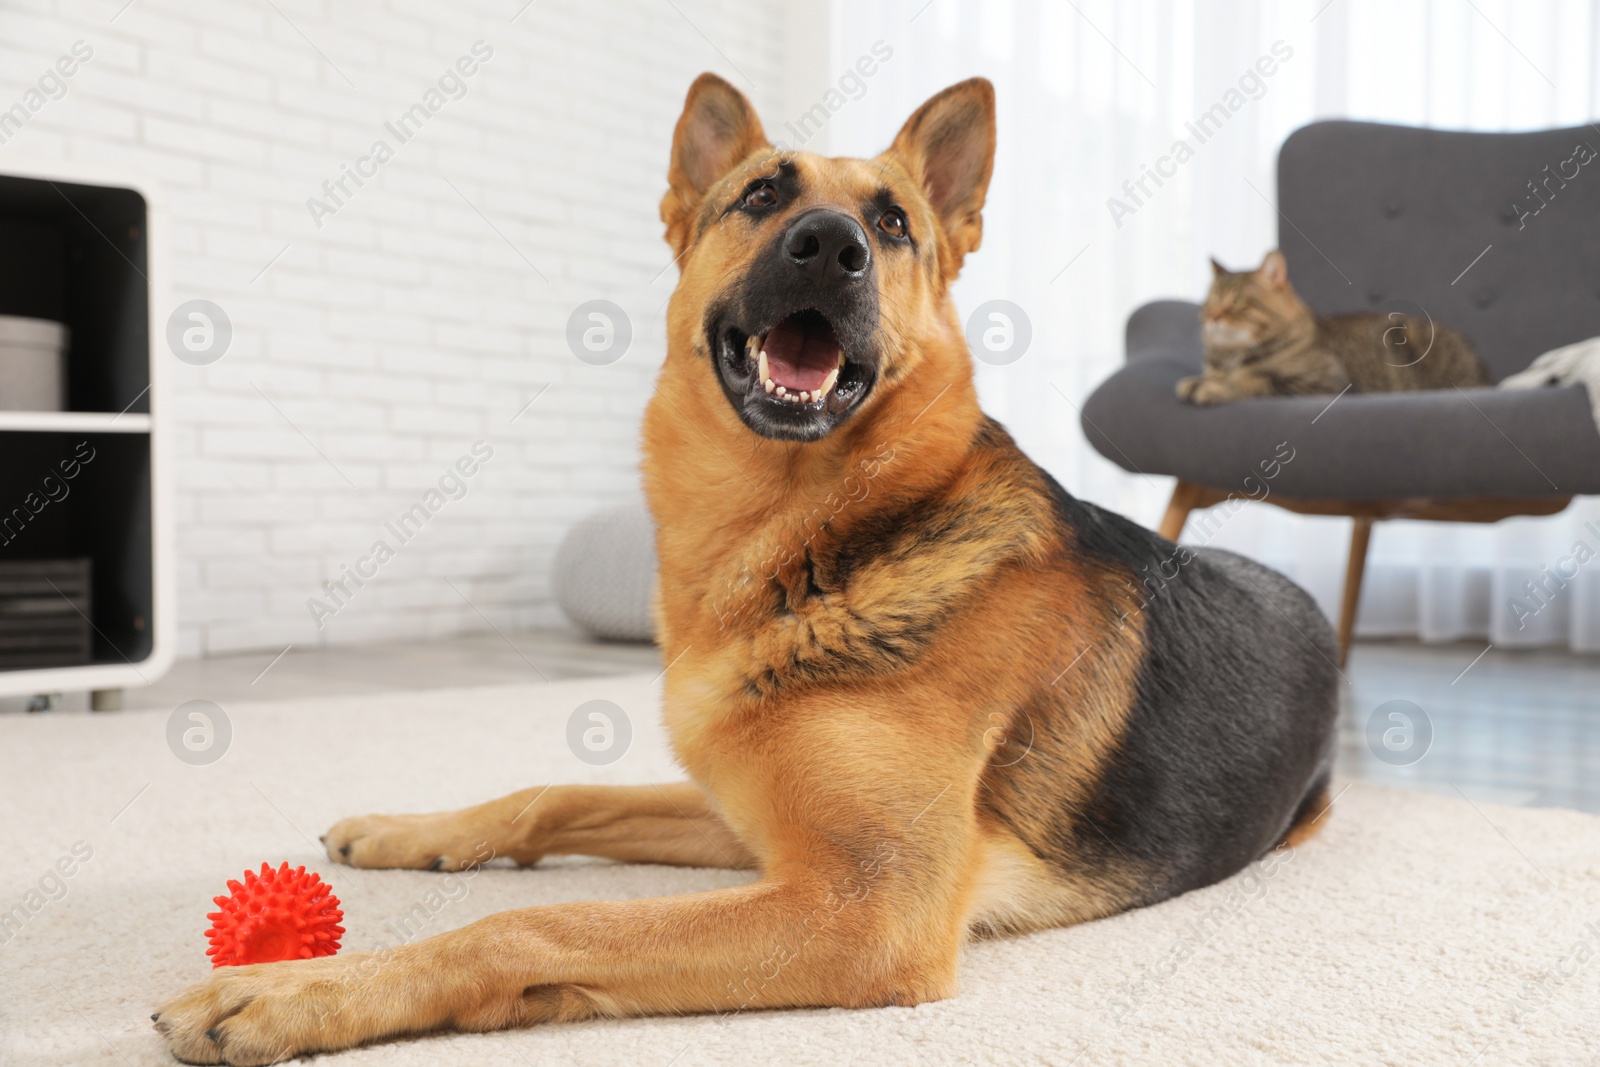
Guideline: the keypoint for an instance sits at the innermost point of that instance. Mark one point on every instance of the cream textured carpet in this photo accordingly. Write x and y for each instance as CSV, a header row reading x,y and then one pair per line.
x,y
1416,930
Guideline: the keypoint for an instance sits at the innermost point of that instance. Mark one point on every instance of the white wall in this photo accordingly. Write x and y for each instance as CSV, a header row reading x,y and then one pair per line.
x,y
408,325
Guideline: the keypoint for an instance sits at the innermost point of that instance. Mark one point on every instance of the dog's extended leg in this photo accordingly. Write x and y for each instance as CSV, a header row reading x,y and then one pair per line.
x,y
672,824
868,874
778,942
794,938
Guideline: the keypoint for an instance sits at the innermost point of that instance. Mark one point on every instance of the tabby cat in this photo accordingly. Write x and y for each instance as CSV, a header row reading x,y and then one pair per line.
x,y
1262,340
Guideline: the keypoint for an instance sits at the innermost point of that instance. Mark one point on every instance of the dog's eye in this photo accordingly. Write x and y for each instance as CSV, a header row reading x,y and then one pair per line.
x,y
892,222
761,196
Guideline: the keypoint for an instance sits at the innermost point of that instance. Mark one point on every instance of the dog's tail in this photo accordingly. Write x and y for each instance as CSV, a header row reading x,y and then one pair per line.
x,y
1310,815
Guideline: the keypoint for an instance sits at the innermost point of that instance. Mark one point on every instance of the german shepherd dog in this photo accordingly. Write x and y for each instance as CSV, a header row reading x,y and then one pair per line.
x,y
922,690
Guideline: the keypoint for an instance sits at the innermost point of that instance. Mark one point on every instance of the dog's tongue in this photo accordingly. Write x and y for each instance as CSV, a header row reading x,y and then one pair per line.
x,y
801,352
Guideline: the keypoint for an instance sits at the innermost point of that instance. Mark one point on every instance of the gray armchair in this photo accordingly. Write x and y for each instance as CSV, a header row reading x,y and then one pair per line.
x,y
1492,233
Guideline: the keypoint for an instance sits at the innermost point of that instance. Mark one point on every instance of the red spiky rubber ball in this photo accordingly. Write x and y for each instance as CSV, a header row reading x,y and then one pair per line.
x,y
274,915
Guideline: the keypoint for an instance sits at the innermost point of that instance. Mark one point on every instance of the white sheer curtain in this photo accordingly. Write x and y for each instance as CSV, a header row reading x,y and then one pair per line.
x,y
1091,92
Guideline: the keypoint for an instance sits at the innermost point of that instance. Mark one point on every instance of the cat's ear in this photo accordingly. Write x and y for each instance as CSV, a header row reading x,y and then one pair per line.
x,y
1274,270
948,148
1217,269
717,129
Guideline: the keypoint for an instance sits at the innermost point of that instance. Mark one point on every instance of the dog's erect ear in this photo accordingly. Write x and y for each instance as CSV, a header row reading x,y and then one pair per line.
x,y
1274,270
1217,269
948,146
717,129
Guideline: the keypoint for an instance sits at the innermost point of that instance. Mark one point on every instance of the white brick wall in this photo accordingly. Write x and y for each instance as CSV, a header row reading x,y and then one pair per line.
x,y
405,327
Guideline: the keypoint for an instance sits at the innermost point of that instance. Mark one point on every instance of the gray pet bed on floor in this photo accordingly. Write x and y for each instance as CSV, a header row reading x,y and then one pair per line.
x,y
605,572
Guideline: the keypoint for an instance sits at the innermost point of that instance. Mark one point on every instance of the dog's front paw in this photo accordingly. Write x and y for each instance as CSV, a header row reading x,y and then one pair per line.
x,y
440,842
266,1013
1186,386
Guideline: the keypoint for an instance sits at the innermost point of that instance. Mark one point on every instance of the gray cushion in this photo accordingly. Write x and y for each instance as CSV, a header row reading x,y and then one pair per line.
x,y
604,573
1373,214
1366,446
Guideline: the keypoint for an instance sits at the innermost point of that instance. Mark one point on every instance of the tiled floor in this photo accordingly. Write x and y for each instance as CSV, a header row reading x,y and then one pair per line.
x,y
1512,727
445,663
1509,727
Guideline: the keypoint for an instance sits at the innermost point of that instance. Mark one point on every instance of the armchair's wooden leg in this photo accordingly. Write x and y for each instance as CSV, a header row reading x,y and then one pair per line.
x,y
1360,535
1186,496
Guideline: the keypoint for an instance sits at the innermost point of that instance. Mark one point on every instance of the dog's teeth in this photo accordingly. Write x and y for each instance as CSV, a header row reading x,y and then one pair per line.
x,y
841,360
805,397
782,391
827,383
761,368
769,385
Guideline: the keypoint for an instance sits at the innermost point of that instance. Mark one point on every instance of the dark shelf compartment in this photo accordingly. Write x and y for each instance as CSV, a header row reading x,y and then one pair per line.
x,y
45,608
78,254
101,514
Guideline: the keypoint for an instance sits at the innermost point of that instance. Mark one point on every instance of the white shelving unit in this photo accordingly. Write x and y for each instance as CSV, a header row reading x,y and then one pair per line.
x,y
72,422
86,247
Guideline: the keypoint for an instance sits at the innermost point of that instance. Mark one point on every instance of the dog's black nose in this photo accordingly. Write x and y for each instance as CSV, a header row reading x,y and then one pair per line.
x,y
827,247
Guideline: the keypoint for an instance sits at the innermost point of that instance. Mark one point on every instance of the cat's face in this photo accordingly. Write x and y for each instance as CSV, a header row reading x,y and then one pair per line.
x,y
1245,308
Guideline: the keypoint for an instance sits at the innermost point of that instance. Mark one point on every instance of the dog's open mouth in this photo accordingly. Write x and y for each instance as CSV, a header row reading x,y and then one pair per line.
x,y
799,359
793,379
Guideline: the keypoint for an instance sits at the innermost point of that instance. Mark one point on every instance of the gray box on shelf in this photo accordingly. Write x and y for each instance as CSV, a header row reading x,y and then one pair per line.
x,y
45,606
32,364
